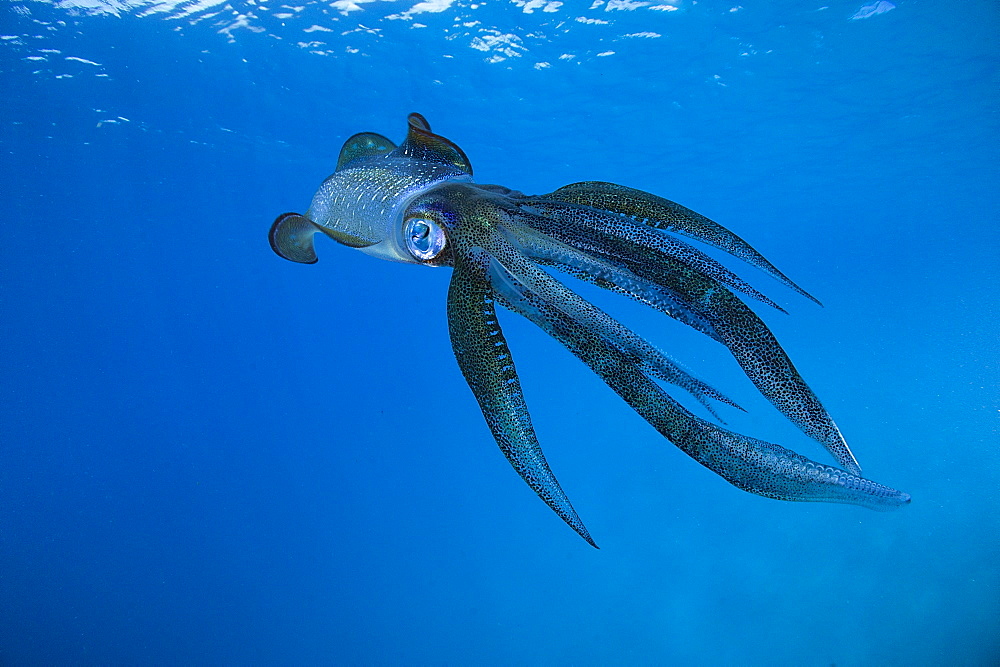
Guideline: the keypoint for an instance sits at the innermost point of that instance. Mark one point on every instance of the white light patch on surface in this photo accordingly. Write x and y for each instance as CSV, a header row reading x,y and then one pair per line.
x,y
98,6
345,7
242,21
874,9
429,6
624,5
529,6
505,45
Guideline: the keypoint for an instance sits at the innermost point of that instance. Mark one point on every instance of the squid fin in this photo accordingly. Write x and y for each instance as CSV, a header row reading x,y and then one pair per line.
x,y
365,144
291,236
422,144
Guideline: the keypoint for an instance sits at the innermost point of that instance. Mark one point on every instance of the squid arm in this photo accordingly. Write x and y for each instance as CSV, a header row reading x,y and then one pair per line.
x,y
488,367
664,214
695,298
752,465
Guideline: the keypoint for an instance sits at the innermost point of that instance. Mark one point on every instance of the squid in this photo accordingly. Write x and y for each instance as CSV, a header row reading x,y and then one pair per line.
x,y
418,203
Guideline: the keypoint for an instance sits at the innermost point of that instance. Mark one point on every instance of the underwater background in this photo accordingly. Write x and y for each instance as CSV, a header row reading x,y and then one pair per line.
x,y
211,455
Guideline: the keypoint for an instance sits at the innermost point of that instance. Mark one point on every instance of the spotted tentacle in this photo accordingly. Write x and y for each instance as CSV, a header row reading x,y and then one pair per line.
x,y
752,465
694,297
666,215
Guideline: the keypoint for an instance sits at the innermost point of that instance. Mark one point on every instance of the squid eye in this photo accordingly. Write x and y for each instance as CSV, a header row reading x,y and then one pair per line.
x,y
424,238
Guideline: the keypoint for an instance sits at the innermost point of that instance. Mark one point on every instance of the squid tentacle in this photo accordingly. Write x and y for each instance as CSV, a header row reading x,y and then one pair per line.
x,y
753,465
677,376
611,225
644,353
588,263
488,367
730,321
666,215
756,349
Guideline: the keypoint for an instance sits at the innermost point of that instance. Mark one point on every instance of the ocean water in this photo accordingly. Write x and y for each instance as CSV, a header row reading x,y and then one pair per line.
x,y
214,456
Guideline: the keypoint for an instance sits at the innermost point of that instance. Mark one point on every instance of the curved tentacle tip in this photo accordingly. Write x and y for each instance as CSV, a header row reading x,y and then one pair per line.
x,y
572,519
582,531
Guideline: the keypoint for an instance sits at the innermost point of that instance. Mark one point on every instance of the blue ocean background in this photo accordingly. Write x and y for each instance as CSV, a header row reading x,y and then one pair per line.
x,y
211,455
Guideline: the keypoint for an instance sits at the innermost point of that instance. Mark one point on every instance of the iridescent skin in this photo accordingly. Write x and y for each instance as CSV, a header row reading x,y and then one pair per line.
x,y
418,203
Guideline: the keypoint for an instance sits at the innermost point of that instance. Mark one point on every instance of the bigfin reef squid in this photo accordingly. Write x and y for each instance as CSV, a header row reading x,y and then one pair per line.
x,y
417,203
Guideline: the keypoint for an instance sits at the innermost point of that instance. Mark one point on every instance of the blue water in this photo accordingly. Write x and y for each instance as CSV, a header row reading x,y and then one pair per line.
x,y
214,456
